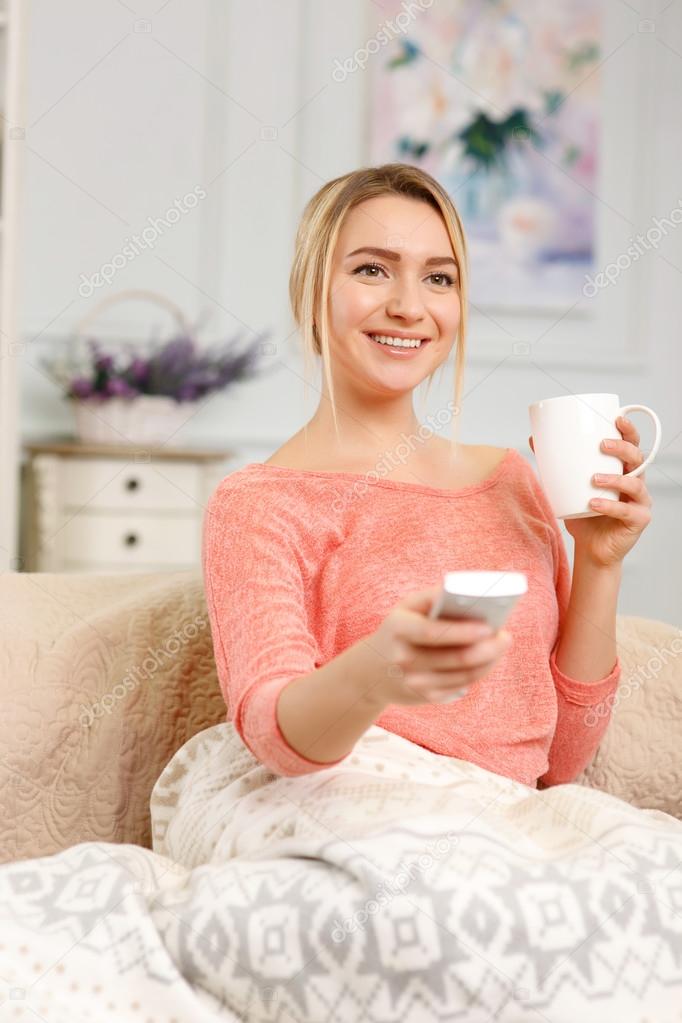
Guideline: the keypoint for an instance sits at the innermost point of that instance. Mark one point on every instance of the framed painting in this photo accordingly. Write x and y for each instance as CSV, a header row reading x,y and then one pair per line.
x,y
499,101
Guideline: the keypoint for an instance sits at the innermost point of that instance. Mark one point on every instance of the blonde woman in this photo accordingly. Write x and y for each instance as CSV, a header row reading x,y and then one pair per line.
x,y
353,843
322,562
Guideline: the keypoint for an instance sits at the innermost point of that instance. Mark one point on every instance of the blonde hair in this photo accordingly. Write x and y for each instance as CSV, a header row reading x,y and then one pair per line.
x,y
316,239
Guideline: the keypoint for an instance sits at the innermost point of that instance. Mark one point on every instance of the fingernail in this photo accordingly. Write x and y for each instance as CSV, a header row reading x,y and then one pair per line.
x,y
608,443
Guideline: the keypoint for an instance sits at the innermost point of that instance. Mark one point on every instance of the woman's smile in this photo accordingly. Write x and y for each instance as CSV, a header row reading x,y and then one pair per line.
x,y
398,344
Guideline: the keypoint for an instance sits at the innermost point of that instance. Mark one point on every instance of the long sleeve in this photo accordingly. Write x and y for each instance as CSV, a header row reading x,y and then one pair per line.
x,y
255,592
584,708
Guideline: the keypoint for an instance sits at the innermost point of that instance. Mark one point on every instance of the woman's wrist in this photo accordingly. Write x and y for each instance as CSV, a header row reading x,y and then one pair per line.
x,y
368,674
323,714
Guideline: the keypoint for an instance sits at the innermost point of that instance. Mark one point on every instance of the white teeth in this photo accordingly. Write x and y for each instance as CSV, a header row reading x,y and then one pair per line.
x,y
397,342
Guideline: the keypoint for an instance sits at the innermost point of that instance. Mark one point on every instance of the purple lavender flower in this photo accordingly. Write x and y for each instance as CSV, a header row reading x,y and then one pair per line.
x,y
104,363
117,388
81,387
188,392
178,369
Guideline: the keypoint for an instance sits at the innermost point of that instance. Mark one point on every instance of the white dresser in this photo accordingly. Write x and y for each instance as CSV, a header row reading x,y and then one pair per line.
x,y
95,508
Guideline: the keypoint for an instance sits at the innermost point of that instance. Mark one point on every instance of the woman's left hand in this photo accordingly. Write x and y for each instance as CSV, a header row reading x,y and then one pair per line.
x,y
606,538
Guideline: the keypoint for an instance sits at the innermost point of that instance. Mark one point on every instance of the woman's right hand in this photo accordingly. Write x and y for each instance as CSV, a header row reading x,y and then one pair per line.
x,y
430,660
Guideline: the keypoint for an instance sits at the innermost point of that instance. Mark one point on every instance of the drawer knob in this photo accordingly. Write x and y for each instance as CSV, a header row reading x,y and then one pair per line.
x,y
130,539
132,484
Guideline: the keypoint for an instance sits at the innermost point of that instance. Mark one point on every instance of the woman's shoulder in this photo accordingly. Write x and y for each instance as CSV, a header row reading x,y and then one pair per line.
x,y
481,463
475,462
487,457
259,495
248,484
285,480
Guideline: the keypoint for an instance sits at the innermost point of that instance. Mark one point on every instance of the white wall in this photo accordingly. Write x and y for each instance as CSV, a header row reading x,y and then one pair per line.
x,y
239,99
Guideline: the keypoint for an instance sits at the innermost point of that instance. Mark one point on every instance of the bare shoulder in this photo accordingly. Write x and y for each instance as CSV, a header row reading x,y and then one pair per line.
x,y
489,456
473,464
478,462
289,456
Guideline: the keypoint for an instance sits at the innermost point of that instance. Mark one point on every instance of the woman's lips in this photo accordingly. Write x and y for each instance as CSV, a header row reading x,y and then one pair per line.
x,y
400,353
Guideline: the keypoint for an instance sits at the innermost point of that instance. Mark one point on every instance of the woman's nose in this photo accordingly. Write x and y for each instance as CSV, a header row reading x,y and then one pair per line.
x,y
406,300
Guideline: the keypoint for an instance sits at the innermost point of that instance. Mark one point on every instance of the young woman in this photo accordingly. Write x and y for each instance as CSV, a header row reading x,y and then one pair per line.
x,y
321,564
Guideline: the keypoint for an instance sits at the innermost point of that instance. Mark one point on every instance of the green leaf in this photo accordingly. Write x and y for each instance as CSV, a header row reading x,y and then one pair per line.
x,y
409,54
571,154
553,100
486,141
586,53
409,147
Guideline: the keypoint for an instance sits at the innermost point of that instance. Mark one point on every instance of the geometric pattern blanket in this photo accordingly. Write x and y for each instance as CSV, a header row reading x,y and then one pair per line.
x,y
399,885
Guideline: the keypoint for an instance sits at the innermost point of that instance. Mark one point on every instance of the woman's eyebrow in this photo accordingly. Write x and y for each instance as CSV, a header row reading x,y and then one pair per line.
x,y
389,254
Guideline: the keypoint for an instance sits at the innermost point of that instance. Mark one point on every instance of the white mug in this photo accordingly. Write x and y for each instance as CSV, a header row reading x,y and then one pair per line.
x,y
567,434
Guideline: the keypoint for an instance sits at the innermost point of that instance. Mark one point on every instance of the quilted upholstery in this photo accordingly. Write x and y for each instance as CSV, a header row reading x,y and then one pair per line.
x,y
104,677
640,756
137,650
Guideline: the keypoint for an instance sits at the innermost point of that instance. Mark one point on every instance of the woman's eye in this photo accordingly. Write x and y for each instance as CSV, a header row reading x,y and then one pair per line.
x,y
447,279
368,266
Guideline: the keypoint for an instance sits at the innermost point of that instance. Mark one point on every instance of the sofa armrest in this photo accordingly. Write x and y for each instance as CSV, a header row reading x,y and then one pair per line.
x,y
639,757
104,677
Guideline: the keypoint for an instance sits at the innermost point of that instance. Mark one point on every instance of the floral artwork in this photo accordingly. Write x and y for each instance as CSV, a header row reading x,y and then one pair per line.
x,y
498,101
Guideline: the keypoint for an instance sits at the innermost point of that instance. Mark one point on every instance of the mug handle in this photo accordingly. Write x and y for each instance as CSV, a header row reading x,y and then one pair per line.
x,y
657,439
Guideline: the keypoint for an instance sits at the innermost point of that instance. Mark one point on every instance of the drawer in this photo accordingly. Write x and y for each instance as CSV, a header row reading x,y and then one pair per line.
x,y
132,539
112,483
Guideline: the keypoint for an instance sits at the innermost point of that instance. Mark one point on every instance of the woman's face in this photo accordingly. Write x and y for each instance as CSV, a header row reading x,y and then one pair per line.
x,y
408,288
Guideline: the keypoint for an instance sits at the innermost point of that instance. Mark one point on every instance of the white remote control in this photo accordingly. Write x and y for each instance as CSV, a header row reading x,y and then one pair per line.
x,y
476,595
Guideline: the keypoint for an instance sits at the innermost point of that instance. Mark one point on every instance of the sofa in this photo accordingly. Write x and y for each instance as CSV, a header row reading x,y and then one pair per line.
x,y
104,677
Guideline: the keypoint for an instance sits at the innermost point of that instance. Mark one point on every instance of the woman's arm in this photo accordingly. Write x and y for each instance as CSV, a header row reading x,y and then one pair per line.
x,y
583,661
587,647
584,664
258,559
588,635
322,715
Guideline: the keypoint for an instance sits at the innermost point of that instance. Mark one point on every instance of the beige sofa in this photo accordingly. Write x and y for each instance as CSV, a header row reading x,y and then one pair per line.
x,y
104,677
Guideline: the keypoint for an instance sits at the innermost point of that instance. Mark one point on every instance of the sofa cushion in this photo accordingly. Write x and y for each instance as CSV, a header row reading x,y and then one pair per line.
x,y
640,756
103,678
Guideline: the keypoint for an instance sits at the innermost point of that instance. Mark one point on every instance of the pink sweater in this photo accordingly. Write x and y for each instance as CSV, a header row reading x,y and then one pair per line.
x,y
299,565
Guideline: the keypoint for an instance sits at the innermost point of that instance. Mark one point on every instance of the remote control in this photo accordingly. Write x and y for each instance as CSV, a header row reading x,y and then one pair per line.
x,y
476,595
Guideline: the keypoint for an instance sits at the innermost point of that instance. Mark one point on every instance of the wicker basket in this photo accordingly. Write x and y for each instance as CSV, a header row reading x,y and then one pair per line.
x,y
145,419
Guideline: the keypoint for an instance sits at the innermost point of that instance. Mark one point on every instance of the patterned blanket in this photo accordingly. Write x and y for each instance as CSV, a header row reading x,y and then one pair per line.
x,y
399,885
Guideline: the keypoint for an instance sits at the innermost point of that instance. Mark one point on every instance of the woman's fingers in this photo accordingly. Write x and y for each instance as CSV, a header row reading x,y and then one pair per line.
x,y
457,658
